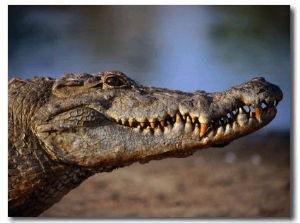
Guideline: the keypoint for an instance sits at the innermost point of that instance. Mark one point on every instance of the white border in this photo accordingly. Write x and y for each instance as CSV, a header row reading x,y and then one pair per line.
x,y
3,87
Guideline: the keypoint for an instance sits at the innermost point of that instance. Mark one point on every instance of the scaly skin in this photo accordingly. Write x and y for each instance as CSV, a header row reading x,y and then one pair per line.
x,y
62,131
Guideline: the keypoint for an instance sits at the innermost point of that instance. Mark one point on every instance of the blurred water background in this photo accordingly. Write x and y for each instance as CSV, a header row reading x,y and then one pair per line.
x,y
179,47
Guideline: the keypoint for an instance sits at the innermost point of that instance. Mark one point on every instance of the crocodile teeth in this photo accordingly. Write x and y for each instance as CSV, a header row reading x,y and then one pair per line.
x,y
196,129
123,122
203,129
153,124
158,131
244,115
147,130
257,112
138,129
178,118
130,122
188,120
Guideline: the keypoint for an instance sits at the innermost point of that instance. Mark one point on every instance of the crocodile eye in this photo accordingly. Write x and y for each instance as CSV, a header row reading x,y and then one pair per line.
x,y
114,81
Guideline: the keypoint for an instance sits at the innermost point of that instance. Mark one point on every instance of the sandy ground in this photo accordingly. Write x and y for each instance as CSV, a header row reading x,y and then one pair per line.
x,y
248,178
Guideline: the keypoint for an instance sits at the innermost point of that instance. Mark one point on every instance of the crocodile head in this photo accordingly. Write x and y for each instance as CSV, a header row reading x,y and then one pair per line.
x,y
107,120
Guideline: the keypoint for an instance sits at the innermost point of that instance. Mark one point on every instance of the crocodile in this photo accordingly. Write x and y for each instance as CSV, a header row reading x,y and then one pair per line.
x,y
62,131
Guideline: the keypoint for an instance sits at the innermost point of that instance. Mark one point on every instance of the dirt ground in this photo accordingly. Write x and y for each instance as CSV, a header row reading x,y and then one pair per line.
x,y
248,178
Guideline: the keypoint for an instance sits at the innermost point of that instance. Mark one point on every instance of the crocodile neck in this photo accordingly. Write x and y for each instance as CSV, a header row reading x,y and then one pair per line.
x,y
35,180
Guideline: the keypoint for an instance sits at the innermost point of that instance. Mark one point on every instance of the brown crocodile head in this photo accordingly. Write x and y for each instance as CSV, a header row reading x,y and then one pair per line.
x,y
108,120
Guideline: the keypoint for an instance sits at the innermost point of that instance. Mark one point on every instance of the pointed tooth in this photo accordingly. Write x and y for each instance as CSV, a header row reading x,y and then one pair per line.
x,y
241,111
138,129
152,120
130,122
252,121
158,131
196,130
257,112
220,130
168,127
153,124
147,130
184,117
178,118
123,121
142,124
203,129
162,123
188,125
228,129
252,112
235,126
188,120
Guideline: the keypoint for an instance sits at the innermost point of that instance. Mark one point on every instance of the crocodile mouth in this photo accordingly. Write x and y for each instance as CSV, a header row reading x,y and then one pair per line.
x,y
243,117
